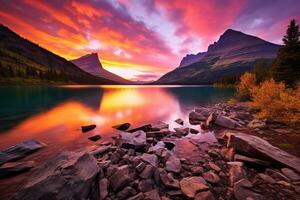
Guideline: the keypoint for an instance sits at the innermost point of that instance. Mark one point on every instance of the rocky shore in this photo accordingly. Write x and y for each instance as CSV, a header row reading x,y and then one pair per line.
x,y
146,163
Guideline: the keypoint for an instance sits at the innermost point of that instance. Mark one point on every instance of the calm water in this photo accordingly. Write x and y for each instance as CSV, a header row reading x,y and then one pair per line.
x,y
53,115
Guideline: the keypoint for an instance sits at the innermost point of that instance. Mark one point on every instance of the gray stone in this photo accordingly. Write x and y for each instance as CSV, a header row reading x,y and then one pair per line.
x,y
15,168
173,164
69,175
242,191
19,151
290,174
190,186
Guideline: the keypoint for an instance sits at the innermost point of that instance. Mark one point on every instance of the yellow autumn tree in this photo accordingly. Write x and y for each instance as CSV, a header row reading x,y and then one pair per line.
x,y
247,82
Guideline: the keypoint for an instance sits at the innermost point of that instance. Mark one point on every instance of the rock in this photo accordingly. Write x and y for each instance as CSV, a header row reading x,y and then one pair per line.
x,y
95,137
197,170
214,166
158,134
136,140
179,121
190,186
140,167
290,174
242,191
147,172
159,126
225,122
227,154
15,168
145,128
100,150
203,111
181,131
211,177
19,151
169,145
123,194
283,183
175,194
236,172
150,158
158,146
266,178
193,131
206,195
139,196
173,164
69,175
122,127
168,180
256,124
210,119
253,161
87,128
196,118
145,185
103,188
152,195
261,149
120,178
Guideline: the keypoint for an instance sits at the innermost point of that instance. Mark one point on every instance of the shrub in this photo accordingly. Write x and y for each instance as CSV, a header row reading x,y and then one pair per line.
x,y
247,82
274,100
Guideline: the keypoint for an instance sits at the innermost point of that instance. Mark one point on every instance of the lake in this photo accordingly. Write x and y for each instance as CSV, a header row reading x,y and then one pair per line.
x,y
54,115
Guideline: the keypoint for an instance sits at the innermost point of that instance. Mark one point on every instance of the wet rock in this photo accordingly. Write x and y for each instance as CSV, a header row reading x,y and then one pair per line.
x,y
225,122
147,172
15,168
211,177
168,180
145,185
122,127
181,131
227,154
214,166
158,146
159,126
120,178
210,119
197,170
179,121
88,128
196,118
193,131
145,128
290,174
95,137
173,164
266,178
175,194
169,145
203,111
206,195
190,186
19,151
100,150
67,176
236,172
242,191
140,167
103,188
258,148
252,161
139,196
150,158
256,124
136,140
152,195
158,134
283,183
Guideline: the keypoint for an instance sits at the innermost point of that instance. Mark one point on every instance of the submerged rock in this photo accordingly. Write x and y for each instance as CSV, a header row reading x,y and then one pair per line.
x,y
196,118
95,137
67,176
145,128
122,127
87,128
15,168
19,151
179,121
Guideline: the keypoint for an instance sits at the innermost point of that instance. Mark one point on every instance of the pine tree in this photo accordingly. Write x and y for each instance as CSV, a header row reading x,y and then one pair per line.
x,y
286,67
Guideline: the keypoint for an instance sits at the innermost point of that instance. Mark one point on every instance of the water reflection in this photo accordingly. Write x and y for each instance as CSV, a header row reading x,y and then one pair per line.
x,y
54,115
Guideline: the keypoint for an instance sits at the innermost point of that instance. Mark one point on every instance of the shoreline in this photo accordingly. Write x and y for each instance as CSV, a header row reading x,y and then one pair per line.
x,y
214,164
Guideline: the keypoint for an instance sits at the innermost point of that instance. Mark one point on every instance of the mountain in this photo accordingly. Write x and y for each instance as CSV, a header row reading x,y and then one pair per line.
x,y
91,64
23,62
191,58
233,54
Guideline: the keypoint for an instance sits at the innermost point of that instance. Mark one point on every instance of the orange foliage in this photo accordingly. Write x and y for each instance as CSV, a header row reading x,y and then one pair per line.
x,y
275,101
247,82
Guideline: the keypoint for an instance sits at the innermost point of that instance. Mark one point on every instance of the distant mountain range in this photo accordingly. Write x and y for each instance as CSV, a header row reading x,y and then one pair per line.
x,y
22,61
91,64
234,53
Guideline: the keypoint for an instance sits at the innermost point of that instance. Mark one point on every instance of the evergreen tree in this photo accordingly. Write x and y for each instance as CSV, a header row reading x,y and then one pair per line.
x,y
286,67
262,70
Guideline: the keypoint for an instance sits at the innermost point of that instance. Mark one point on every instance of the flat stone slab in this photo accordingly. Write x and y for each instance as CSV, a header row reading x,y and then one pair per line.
x,y
15,168
256,147
19,151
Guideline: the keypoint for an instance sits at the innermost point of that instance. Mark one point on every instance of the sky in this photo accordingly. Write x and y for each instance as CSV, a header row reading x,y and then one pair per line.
x,y
142,39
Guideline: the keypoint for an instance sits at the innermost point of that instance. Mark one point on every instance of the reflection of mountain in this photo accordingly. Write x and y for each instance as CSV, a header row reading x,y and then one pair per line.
x,y
19,103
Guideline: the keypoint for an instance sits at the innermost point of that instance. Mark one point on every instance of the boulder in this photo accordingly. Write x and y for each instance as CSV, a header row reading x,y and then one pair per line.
x,y
196,118
190,186
87,128
179,121
290,174
225,122
159,126
15,168
19,151
203,111
120,178
242,191
193,131
136,140
150,158
251,161
256,147
173,164
95,137
122,127
181,131
69,175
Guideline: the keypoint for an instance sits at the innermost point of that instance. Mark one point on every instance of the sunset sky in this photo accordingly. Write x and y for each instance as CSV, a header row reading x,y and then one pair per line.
x,y
142,39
